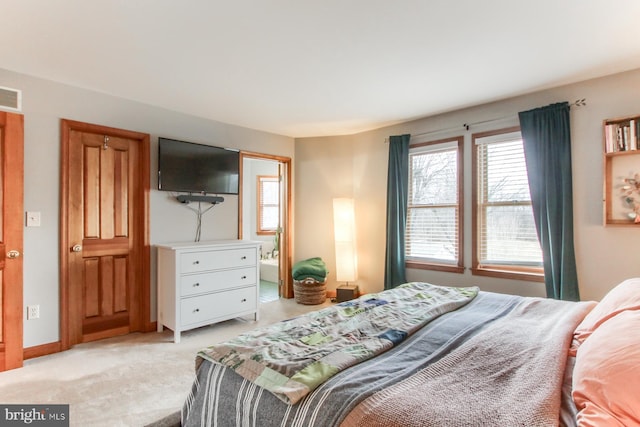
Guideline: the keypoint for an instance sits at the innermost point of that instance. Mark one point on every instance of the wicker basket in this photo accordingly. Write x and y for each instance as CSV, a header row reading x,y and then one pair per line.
x,y
310,291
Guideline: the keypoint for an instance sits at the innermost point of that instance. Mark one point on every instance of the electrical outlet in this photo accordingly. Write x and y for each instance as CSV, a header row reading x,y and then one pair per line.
x,y
33,312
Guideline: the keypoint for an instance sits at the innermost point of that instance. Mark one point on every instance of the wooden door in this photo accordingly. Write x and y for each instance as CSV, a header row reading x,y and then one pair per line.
x,y
105,228
11,206
283,229
286,236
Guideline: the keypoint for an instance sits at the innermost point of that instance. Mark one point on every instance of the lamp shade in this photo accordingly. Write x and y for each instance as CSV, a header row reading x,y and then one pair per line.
x,y
344,226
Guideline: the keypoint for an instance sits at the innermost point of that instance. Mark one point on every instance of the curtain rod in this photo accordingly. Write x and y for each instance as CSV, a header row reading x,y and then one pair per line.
x,y
577,103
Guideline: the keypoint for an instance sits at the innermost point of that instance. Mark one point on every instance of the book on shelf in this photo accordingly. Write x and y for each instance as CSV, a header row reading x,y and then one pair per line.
x,y
622,136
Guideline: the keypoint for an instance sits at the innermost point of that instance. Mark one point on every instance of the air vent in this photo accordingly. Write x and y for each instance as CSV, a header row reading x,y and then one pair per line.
x,y
10,99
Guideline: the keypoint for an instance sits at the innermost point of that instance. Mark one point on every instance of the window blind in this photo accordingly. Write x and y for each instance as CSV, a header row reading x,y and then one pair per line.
x,y
268,203
506,228
433,205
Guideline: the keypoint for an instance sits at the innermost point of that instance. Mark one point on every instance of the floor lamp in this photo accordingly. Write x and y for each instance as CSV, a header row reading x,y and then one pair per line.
x,y
344,227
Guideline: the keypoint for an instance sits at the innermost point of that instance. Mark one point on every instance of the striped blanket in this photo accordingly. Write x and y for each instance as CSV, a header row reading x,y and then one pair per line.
x,y
509,374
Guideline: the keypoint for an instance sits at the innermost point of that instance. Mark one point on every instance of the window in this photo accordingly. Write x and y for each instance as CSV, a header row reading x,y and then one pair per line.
x,y
434,211
505,242
268,204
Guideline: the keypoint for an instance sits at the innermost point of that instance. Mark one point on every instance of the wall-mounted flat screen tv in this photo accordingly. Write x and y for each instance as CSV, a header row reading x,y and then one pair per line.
x,y
197,168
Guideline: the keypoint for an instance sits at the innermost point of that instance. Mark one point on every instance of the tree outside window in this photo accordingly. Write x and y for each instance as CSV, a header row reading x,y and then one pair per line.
x,y
505,238
433,237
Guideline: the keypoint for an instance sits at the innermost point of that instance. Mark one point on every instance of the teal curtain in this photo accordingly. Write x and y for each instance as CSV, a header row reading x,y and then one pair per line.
x,y
397,194
547,149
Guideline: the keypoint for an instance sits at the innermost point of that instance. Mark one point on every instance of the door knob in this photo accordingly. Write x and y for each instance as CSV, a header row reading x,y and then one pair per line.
x,y
76,248
13,254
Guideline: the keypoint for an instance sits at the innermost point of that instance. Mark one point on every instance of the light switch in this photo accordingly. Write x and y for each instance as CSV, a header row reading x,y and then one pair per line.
x,y
33,219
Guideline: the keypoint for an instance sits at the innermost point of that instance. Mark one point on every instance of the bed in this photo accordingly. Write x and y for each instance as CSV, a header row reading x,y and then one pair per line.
x,y
426,355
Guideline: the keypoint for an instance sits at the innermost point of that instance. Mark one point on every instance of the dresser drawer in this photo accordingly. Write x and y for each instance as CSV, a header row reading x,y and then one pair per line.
x,y
201,308
193,262
193,284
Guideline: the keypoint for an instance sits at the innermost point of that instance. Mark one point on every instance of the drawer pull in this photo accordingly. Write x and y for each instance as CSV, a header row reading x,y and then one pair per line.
x,y
244,257
243,300
197,310
195,285
196,262
243,277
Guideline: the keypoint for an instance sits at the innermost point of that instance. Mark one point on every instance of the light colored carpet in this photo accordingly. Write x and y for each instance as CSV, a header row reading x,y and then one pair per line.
x,y
131,380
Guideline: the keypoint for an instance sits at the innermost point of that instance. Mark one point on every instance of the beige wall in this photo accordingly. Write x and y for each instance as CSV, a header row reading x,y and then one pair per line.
x,y
44,104
327,168
357,166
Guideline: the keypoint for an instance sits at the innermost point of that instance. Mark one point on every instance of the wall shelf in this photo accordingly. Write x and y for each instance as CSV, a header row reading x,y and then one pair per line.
x,y
621,201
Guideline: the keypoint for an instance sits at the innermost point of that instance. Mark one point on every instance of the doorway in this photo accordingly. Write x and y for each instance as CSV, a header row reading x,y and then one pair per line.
x,y
104,250
264,215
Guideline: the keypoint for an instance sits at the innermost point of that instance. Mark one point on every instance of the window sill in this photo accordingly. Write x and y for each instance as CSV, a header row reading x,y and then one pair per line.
x,y
433,266
494,271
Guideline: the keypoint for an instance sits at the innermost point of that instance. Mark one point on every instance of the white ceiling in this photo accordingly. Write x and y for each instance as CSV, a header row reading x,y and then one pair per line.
x,y
325,67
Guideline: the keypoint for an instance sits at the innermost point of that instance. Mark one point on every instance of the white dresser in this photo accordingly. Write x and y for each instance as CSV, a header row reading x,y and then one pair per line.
x,y
206,282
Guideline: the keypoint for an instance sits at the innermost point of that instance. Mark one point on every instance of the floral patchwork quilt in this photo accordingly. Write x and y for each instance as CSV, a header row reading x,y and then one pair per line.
x,y
292,358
